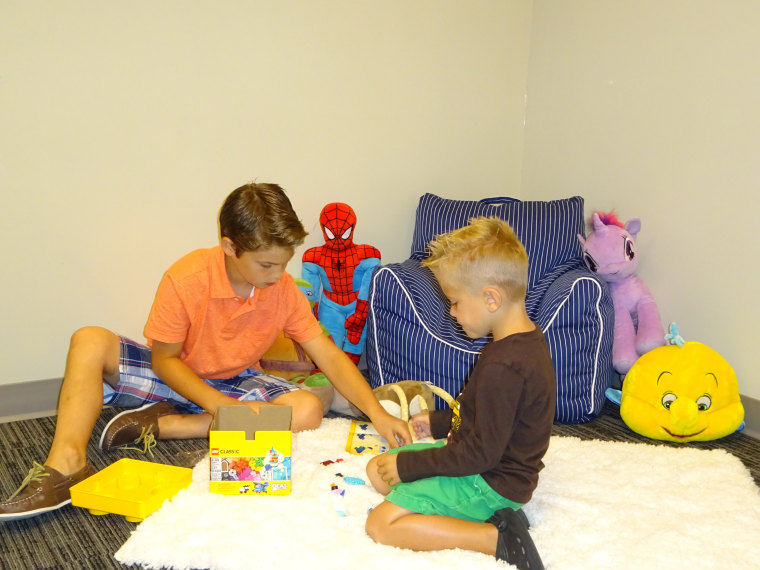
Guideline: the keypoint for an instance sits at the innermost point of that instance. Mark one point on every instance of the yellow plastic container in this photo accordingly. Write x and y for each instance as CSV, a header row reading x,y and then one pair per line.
x,y
131,488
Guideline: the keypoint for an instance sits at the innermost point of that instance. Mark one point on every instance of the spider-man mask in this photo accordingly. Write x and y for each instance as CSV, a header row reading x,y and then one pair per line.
x,y
338,221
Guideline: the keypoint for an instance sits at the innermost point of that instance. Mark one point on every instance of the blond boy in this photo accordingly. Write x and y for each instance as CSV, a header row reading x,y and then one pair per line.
x,y
466,492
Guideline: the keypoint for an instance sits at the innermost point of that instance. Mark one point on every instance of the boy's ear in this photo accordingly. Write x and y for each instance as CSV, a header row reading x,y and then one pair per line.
x,y
228,247
492,298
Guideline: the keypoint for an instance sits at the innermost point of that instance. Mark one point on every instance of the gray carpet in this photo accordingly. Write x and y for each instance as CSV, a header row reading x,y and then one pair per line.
x,y
71,538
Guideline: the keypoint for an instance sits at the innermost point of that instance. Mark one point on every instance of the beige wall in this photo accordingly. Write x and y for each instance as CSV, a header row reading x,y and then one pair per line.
x,y
125,124
653,108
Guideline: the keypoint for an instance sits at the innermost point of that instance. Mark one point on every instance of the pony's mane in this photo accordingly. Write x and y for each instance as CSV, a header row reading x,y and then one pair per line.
x,y
610,219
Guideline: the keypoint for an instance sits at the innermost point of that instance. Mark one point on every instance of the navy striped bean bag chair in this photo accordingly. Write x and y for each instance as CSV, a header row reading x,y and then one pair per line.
x,y
411,336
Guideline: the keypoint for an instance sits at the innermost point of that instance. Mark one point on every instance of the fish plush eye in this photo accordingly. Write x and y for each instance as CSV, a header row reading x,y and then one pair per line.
x,y
630,252
668,399
590,263
704,403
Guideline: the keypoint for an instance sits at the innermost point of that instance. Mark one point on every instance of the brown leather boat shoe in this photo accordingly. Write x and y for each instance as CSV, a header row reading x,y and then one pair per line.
x,y
44,489
135,427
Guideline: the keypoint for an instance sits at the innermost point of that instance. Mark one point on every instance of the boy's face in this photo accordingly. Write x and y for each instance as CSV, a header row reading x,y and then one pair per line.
x,y
468,307
260,268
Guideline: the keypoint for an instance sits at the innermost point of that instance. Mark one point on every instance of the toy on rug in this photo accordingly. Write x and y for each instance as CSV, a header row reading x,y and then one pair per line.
x,y
338,505
131,488
330,461
340,492
405,398
408,397
610,252
355,481
364,439
341,271
684,391
400,399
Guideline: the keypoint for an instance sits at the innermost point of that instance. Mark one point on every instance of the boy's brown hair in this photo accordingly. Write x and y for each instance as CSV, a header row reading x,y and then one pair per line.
x,y
485,252
259,215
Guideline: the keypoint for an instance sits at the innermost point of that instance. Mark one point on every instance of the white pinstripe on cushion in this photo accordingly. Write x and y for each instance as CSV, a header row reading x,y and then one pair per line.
x,y
410,334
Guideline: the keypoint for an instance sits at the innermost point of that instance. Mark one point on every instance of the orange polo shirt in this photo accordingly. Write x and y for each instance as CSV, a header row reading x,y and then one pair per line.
x,y
224,334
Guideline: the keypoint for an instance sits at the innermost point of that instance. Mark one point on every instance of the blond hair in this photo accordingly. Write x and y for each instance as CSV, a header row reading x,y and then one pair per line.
x,y
485,252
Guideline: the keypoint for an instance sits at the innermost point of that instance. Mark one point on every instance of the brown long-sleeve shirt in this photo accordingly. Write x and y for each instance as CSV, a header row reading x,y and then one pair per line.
x,y
507,412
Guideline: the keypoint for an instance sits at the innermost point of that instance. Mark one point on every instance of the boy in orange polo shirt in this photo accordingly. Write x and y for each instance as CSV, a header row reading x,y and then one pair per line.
x,y
215,313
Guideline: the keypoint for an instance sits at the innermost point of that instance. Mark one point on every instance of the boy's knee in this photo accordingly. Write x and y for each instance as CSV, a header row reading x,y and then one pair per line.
x,y
95,346
372,466
369,527
93,338
307,411
375,527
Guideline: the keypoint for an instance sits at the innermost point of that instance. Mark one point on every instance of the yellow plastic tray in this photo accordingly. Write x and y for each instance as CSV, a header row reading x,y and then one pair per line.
x,y
131,488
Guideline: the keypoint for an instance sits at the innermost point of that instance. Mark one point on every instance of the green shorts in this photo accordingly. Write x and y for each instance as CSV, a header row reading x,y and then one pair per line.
x,y
469,497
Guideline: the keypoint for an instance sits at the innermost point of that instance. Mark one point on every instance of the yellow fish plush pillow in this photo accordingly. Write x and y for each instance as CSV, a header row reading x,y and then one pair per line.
x,y
681,392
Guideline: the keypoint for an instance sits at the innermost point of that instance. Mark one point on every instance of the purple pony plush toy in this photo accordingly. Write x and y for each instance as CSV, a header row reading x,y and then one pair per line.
x,y
610,252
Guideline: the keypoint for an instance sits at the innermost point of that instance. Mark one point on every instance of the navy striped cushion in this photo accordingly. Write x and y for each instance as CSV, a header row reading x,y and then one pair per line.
x,y
547,229
577,318
436,215
410,334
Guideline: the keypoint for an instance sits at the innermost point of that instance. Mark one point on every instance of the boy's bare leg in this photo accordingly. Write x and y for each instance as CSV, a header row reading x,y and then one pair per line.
x,y
395,526
307,409
183,426
93,356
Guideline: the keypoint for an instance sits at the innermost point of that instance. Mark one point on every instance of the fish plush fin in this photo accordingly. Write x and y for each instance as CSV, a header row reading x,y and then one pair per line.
x,y
613,395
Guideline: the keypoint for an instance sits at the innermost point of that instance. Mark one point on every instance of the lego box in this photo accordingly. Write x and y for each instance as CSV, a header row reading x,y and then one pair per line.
x,y
250,453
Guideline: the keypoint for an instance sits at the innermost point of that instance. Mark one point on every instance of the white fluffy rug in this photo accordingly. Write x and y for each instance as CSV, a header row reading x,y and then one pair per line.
x,y
599,505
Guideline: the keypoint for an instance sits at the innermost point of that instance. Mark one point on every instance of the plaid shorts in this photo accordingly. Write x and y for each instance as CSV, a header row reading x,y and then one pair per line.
x,y
139,385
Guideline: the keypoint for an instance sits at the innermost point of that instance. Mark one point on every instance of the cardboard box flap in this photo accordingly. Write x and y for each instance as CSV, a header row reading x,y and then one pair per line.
x,y
243,418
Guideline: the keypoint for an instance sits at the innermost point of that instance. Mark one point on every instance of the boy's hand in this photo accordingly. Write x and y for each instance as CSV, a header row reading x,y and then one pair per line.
x,y
421,425
393,429
387,470
347,379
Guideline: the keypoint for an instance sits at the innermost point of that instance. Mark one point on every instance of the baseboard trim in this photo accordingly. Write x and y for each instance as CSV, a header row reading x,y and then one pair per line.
x,y
38,399
29,400
751,417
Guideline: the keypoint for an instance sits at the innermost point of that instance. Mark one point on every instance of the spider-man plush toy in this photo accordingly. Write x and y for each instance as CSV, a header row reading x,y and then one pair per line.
x,y
341,271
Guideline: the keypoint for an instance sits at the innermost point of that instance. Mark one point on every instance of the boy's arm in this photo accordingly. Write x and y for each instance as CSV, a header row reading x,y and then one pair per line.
x,y
166,363
347,379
